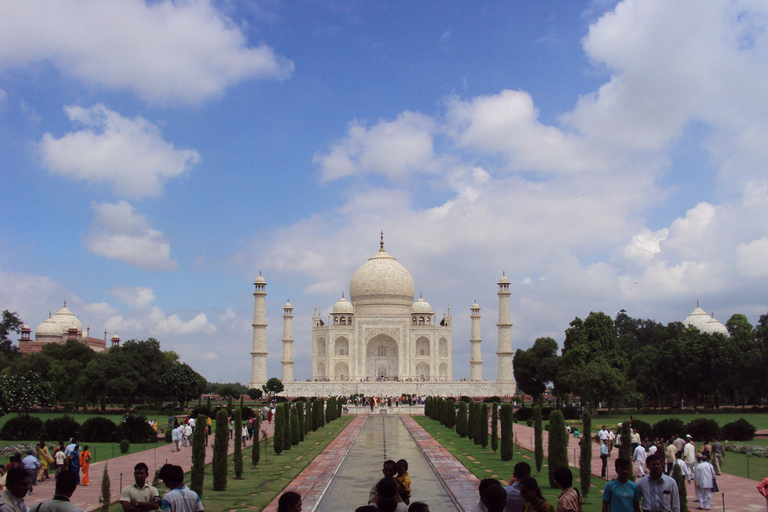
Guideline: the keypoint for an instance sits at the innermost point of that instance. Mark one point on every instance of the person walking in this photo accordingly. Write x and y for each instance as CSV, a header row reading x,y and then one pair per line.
x,y
659,492
179,498
705,481
66,483
85,463
621,494
718,455
604,457
32,465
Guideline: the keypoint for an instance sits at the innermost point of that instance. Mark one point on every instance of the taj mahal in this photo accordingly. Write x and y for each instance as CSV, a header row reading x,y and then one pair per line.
x,y
380,342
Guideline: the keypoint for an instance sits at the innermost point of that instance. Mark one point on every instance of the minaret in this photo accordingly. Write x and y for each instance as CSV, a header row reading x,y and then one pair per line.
x,y
287,342
504,352
259,350
476,356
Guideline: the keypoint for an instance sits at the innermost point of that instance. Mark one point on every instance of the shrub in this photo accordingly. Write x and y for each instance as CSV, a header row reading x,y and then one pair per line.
x,y
202,409
279,433
450,413
669,427
63,427
461,419
558,445
645,429
677,474
21,428
585,461
483,430
703,428
538,439
739,430
125,446
465,399
317,411
237,456
197,474
287,426
168,435
97,430
105,495
506,432
570,412
491,399
220,448
625,450
320,417
255,448
524,413
495,427
295,436
302,420
135,428
248,413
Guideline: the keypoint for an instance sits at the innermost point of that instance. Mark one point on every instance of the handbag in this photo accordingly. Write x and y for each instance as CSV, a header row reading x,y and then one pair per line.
x,y
714,485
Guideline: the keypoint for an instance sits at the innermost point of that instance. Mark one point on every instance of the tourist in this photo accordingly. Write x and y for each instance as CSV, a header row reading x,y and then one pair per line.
x,y
689,456
602,434
604,458
244,433
670,455
706,450
683,466
387,498
639,457
60,458
388,469
31,464
66,483
705,481
679,443
418,506
17,485
403,481
85,463
569,500
718,455
289,502
534,501
659,492
485,483
74,462
187,435
762,488
175,440
621,494
180,498
515,501
44,456
634,437
494,498
3,476
139,496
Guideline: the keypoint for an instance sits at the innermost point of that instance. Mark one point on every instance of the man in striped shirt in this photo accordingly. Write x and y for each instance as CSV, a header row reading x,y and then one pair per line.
x,y
180,498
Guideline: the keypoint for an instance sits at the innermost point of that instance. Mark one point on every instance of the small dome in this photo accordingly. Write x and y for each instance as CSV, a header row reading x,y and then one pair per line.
x,y
288,305
343,307
115,338
66,319
503,279
421,306
382,280
715,327
698,319
475,306
26,328
49,328
260,280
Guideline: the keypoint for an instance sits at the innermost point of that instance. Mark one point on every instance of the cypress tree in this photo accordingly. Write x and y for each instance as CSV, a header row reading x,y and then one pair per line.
x,y
238,455
315,417
279,434
255,448
426,406
106,494
677,474
495,427
208,404
307,417
558,445
242,402
301,420
338,408
477,431
197,474
461,419
220,448
295,436
287,428
625,450
229,405
471,419
483,425
329,411
585,460
450,413
538,440
321,416
507,445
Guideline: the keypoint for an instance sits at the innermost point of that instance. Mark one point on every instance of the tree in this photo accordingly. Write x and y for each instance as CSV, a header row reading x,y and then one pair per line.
x,y
238,455
506,432
320,416
536,366
279,433
220,448
538,439
105,499
295,436
677,474
287,427
461,419
8,351
273,387
625,450
255,450
585,460
229,391
483,430
23,392
495,427
183,383
315,413
449,410
255,394
301,420
199,437
558,445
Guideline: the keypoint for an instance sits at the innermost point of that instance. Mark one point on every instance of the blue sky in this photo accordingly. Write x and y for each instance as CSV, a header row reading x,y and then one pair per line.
x,y
155,156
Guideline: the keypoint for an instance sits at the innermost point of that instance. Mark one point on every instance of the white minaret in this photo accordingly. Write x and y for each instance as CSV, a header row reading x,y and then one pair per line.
x,y
287,342
476,355
504,352
259,350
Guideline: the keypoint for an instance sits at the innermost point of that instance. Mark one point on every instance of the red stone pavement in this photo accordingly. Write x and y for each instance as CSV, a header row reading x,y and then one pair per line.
x,y
87,497
740,494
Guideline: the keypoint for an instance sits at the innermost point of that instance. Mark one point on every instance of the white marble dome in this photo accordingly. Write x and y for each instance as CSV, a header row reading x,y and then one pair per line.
x,y
48,328
67,320
382,280
421,306
698,319
343,307
288,305
715,327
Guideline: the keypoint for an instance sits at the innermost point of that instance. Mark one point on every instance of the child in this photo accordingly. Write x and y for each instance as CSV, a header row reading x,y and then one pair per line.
x,y
403,481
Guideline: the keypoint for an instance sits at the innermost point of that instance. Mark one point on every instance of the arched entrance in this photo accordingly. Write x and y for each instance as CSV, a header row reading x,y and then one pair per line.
x,y
381,357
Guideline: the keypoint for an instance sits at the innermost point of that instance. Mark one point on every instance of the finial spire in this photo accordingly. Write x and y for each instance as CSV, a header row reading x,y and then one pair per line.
x,y
697,303
381,243
342,295
65,302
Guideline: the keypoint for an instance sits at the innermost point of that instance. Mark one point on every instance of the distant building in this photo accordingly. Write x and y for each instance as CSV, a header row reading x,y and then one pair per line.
x,y
59,328
705,323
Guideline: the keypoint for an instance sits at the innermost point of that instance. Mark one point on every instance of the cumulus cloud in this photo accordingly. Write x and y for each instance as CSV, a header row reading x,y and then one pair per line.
x,y
121,233
164,51
128,154
134,296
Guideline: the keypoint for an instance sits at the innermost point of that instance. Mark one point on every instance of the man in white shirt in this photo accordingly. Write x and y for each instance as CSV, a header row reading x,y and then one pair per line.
x,y
639,457
139,496
66,483
602,434
660,493
705,478
689,457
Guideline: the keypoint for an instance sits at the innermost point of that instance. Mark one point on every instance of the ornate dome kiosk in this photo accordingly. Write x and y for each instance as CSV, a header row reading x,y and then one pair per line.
x,y
381,342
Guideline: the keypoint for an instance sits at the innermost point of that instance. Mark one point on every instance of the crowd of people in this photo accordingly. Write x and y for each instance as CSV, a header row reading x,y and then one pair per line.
x,y
39,462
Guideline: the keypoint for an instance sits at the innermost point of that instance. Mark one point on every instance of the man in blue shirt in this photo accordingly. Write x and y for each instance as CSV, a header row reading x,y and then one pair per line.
x,y
515,501
621,494
180,498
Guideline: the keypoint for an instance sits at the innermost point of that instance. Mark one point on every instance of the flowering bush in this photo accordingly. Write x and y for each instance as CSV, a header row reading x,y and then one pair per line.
x,y
9,451
746,449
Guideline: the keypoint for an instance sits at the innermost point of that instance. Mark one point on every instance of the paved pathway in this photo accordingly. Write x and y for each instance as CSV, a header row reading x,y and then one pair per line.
x,y
87,497
740,494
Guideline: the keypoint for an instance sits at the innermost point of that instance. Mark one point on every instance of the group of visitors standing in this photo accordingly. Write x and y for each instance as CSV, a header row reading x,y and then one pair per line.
x,y
38,462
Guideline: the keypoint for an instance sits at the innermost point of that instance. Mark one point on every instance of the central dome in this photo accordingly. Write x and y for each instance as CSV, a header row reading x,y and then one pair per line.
x,y
382,280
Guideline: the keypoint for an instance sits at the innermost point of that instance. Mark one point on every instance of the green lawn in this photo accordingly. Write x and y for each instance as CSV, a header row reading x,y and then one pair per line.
x,y
259,486
485,463
759,420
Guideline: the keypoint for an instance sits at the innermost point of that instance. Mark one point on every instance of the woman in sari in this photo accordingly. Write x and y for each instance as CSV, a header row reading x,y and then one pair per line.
x,y
44,456
74,462
85,462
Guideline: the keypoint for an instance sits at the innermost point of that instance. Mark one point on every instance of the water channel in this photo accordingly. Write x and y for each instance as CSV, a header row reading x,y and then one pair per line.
x,y
383,437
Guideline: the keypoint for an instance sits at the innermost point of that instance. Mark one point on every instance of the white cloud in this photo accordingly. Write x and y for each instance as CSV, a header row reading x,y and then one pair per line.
x,y
164,51
392,148
210,356
129,154
134,296
120,232
752,258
